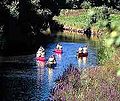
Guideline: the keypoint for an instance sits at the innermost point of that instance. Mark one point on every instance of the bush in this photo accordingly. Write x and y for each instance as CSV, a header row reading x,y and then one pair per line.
x,y
100,13
113,11
104,53
113,38
86,5
109,43
99,17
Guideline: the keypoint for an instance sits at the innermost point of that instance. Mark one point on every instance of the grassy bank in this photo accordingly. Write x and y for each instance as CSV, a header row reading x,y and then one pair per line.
x,y
93,84
76,19
80,18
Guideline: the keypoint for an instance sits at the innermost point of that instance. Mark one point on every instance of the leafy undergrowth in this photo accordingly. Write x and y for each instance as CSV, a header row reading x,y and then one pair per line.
x,y
92,84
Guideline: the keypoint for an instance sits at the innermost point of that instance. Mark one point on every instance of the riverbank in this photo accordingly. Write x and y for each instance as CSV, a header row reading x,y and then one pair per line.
x,y
100,83
76,20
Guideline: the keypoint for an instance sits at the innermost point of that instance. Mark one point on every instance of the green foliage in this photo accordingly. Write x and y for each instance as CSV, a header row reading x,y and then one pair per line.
x,y
80,21
99,14
109,43
113,11
105,53
102,12
86,5
110,40
24,21
13,7
114,35
98,17
118,72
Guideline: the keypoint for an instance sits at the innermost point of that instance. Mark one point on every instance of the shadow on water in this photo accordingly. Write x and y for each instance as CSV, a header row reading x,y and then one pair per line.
x,y
25,79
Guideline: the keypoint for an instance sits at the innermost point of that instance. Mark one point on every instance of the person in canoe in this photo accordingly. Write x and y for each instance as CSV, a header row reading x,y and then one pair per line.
x,y
58,49
82,52
40,52
79,52
41,49
59,46
51,61
85,49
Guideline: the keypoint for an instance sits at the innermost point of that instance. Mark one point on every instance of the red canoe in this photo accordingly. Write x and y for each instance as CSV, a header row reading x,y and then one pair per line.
x,y
58,51
40,58
82,55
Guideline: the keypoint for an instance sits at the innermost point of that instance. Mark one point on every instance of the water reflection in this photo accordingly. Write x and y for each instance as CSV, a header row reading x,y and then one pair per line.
x,y
82,62
40,64
50,75
58,56
79,62
40,74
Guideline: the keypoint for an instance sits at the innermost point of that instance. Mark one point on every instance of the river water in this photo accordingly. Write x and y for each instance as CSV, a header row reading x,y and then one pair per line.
x,y
24,79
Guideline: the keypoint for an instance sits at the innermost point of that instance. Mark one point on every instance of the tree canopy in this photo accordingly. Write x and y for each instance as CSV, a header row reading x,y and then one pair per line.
x,y
22,21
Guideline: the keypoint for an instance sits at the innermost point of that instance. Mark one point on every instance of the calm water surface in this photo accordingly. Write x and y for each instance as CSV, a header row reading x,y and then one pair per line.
x,y
33,82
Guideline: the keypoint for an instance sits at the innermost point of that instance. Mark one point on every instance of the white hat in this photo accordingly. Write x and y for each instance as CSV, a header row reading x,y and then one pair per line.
x,y
80,48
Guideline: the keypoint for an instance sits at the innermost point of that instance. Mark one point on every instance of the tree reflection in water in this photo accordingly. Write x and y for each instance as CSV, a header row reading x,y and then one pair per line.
x,y
40,64
50,75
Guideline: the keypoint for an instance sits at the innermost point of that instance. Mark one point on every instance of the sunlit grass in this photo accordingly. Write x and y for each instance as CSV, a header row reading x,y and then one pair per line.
x,y
73,21
82,20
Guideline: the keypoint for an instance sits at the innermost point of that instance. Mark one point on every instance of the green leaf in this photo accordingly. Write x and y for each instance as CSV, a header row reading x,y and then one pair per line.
x,y
117,41
109,42
91,12
118,72
113,34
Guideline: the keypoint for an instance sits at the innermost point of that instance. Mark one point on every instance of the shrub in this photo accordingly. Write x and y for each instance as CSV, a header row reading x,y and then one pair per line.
x,y
113,38
113,11
86,5
104,53
99,13
109,43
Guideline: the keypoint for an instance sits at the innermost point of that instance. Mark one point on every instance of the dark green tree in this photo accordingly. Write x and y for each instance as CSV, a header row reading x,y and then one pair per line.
x,y
23,21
